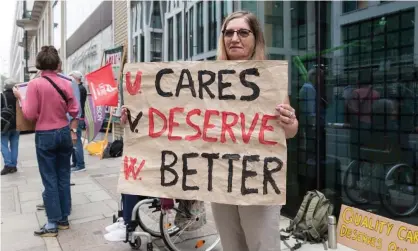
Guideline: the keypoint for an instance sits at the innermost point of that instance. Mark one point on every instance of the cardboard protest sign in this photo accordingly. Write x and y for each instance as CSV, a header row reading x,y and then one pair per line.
x,y
205,131
23,124
364,231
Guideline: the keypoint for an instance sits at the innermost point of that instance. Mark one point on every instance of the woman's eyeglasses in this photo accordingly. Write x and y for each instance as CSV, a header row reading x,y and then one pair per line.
x,y
242,33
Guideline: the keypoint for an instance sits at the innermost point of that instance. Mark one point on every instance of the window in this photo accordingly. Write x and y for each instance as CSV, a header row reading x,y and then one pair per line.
x,y
200,36
250,6
156,46
298,25
224,10
276,57
349,6
134,55
170,40
213,25
156,16
191,24
142,48
386,46
273,27
179,36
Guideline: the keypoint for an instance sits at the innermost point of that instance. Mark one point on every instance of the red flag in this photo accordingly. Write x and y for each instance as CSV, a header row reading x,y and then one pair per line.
x,y
103,86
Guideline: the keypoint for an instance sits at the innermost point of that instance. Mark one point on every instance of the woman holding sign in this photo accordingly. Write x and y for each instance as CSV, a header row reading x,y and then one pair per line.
x,y
249,228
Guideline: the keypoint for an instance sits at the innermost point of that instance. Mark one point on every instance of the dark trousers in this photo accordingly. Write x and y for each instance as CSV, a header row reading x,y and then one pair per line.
x,y
53,151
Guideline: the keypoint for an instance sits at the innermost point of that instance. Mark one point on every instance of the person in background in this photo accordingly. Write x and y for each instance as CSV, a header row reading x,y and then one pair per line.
x,y
49,99
9,138
78,153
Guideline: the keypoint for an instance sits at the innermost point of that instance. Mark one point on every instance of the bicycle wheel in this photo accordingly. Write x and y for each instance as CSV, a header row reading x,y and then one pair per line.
x,y
353,185
186,237
398,191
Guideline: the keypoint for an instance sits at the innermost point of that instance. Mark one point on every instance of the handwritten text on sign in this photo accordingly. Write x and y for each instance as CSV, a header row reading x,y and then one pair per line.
x,y
365,231
206,131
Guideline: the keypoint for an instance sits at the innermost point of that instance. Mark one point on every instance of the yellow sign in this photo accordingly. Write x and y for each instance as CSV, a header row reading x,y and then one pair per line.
x,y
364,231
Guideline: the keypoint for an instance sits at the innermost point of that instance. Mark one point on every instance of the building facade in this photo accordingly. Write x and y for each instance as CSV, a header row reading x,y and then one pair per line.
x,y
34,28
337,52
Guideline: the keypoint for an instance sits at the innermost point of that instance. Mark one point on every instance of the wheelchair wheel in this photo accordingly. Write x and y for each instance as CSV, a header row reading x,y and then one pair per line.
x,y
399,191
354,182
149,222
137,244
186,237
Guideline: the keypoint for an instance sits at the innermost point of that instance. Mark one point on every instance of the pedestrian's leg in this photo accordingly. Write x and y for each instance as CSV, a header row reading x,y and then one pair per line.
x,y
78,151
47,159
129,202
261,225
14,147
63,167
228,223
5,151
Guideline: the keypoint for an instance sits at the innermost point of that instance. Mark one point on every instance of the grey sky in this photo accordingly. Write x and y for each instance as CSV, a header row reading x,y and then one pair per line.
x,y
77,13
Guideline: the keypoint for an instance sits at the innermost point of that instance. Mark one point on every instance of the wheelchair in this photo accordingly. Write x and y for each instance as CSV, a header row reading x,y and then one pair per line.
x,y
378,169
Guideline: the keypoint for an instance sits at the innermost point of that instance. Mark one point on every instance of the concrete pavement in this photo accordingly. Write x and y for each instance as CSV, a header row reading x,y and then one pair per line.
x,y
94,198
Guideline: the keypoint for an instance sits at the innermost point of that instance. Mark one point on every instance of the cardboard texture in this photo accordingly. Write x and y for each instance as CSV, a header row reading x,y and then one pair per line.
x,y
22,124
364,231
177,163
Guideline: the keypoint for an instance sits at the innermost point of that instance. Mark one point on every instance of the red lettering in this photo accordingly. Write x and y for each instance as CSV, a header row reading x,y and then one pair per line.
x,y
151,131
193,125
265,127
172,123
207,125
129,167
227,127
247,136
134,88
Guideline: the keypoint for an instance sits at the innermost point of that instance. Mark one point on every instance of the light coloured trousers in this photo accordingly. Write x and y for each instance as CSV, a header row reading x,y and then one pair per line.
x,y
248,228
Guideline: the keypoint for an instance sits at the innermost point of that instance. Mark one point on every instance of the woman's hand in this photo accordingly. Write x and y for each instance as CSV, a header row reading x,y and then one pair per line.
x,y
17,93
286,114
287,119
123,116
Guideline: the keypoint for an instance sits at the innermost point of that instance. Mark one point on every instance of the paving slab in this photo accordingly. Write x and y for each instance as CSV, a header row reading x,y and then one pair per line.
x,y
97,196
9,201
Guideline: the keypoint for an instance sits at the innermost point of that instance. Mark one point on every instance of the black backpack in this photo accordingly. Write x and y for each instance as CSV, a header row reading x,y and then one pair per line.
x,y
7,115
116,148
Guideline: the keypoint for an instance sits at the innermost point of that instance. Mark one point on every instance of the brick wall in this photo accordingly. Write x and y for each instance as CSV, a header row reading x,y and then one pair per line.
x,y
120,36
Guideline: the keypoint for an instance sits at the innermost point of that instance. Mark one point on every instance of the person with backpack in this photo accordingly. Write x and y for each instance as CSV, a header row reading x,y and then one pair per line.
x,y
9,134
48,100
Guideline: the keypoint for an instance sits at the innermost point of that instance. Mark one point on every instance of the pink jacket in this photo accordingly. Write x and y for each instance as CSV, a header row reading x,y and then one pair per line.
x,y
45,105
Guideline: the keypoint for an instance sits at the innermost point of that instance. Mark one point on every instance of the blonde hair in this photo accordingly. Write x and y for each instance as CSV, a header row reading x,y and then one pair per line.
x,y
252,21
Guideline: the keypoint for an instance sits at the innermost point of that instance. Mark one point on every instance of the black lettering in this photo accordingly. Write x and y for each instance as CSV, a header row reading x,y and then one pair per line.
x,y
204,85
247,174
252,85
165,167
158,82
187,171
210,157
133,124
223,85
190,84
267,174
230,158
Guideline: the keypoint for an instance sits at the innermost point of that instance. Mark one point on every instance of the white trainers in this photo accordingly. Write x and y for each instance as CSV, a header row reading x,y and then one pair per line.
x,y
118,234
115,225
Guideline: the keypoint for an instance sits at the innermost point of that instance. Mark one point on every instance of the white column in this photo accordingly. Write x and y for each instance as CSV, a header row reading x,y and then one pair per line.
x,y
128,24
310,20
63,48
